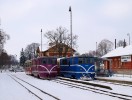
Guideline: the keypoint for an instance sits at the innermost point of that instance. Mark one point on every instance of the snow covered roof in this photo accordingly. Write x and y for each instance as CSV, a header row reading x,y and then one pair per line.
x,y
120,51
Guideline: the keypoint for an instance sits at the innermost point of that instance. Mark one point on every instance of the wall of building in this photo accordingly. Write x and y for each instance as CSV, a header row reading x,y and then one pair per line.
x,y
115,64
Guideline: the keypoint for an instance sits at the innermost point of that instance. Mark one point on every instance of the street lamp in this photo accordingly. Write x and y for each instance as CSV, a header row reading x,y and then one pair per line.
x,y
128,34
41,42
70,10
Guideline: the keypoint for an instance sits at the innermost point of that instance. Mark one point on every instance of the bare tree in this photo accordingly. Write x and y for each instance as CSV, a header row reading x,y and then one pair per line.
x,y
30,50
104,47
3,38
13,60
90,53
61,39
4,59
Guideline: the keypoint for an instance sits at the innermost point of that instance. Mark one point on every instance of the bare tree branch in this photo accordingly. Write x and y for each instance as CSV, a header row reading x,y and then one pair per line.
x,y
104,47
60,38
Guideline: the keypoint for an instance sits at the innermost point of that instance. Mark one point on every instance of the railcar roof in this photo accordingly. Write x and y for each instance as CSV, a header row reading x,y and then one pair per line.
x,y
44,57
76,57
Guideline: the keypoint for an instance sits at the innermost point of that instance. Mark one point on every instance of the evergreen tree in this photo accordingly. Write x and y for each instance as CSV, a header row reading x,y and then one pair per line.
x,y
22,58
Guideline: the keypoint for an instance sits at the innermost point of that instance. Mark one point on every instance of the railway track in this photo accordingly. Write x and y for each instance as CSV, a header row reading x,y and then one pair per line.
x,y
87,83
34,90
93,89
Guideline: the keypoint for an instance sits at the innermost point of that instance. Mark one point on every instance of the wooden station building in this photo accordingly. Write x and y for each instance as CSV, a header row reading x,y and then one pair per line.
x,y
66,51
119,60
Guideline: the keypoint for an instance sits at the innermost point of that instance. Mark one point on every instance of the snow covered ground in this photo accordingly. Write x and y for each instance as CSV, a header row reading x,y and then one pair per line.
x,y
11,90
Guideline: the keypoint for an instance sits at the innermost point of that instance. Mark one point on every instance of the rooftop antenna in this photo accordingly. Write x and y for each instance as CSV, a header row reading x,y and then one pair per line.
x,y
0,21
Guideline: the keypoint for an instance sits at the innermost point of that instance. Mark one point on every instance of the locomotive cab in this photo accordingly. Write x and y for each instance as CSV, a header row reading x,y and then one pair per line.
x,y
77,67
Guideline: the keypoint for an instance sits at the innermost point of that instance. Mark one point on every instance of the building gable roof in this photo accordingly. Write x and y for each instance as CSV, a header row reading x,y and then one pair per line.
x,y
53,47
120,51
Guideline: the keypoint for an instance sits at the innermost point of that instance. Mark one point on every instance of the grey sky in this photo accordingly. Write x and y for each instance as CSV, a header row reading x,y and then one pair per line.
x,y
93,20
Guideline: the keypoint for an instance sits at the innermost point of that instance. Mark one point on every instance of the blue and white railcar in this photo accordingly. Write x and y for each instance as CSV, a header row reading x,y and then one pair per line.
x,y
77,67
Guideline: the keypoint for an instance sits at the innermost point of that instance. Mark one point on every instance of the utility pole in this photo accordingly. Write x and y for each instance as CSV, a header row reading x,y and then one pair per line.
x,y
70,10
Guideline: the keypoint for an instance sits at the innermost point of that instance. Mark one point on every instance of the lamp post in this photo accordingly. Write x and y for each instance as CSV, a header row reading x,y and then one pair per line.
x,y
70,10
41,43
96,49
128,34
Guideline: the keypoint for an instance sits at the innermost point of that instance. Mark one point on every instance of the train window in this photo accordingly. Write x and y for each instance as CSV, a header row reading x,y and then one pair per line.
x,y
64,62
86,60
49,61
73,62
80,60
54,61
91,60
44,61
69,62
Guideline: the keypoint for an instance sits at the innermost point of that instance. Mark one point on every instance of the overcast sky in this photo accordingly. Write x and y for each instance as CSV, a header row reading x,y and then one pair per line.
x,y
93,20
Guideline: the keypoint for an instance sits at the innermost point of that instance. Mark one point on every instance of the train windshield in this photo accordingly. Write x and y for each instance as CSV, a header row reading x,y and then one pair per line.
x,y
85,60
52,61
65,61
49,61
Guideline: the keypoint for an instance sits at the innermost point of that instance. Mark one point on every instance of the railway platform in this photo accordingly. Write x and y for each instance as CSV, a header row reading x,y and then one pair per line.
x,y
117,79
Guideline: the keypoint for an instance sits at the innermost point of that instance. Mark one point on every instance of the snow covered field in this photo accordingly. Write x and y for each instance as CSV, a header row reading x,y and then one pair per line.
x,y
11,90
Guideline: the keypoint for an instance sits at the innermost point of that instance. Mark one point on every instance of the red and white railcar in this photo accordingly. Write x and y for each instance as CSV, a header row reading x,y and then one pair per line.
x,y
44,67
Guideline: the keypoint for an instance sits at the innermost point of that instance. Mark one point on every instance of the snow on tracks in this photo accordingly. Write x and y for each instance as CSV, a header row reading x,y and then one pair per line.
x,y
34,90
77,84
